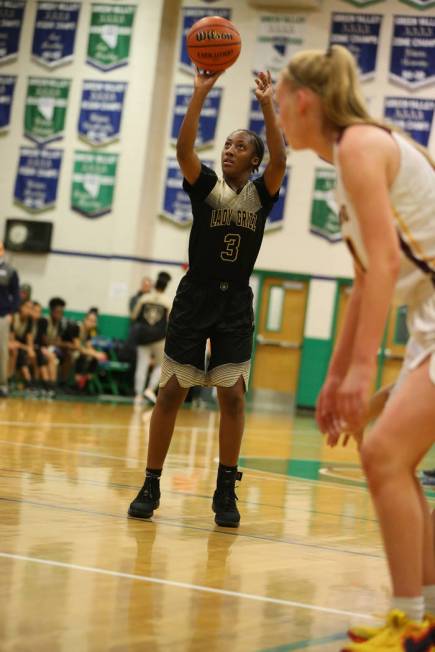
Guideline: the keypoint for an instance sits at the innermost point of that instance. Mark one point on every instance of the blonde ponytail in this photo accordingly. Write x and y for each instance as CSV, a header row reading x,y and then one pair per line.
x,y
333,76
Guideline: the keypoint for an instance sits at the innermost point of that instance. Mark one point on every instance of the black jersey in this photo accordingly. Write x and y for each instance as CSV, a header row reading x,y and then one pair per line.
x,y
227,228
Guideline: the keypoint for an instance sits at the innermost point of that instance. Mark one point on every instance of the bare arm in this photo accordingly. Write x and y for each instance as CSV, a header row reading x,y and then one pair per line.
x,y
275,169
187,158
368,187
339,365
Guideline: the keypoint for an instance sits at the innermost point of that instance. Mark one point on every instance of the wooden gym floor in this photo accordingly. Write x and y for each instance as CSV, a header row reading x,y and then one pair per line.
x,y
77,576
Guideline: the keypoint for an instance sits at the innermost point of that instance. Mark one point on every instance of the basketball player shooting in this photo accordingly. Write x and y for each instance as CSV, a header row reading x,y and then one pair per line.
x,y
214,300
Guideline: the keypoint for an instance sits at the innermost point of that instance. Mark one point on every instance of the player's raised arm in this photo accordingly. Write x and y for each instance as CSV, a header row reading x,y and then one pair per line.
x,y
187,158
275,169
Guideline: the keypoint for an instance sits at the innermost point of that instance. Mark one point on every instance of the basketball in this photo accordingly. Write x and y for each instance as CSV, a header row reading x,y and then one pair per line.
x,y
213,43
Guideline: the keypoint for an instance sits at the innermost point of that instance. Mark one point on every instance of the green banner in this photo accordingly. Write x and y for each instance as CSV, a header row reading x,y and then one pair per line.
x,y
110,35
45,112
362,3
419,4
93,183
324,211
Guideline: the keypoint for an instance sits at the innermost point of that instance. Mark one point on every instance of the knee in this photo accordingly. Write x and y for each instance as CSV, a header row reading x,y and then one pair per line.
x,y
170,397
232,402
378,462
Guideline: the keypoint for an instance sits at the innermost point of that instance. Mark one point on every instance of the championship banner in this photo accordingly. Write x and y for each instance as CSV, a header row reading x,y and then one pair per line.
x,y
45,111
276,217
413,115
359,33
207,119
37,178
55,32
7,87
93,183
11,19
110,35
176,203
279,36
325,221
412,62
419,4
101,111
190,16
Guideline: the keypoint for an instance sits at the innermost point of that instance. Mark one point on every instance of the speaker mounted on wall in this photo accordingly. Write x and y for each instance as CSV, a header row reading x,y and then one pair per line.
x,y
28,235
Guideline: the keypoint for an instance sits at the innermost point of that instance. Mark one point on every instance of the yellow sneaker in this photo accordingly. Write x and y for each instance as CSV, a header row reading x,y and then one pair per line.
x,y
398,634
361,633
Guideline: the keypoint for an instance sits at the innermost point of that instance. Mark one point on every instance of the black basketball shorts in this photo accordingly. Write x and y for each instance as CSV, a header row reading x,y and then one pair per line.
x,y
218,311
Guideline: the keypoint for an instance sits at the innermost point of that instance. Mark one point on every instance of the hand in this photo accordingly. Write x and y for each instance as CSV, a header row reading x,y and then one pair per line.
x,y
101,356
352,398
264,90
326,409
358,436
204,81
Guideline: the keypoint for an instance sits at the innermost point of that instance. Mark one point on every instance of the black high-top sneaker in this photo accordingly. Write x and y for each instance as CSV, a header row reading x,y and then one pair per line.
x,y
147,500
224,499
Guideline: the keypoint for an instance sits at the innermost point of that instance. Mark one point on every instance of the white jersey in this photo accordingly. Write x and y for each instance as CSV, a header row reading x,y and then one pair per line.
x,y
413,202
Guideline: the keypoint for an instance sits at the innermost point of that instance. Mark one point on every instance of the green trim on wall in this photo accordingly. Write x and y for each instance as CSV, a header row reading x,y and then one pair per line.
x,y
314,365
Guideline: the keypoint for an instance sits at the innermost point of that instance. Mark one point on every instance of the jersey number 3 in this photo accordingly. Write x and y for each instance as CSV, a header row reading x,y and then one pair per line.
x,y
232,240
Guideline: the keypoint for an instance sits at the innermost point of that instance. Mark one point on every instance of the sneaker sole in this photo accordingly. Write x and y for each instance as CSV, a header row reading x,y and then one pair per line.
x,y
226,523
142,515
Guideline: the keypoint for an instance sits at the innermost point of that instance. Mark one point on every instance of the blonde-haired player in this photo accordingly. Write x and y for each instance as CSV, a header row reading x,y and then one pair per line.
x,y
386,195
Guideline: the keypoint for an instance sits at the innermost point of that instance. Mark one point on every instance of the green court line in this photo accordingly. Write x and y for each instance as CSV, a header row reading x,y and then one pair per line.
x,y
300,645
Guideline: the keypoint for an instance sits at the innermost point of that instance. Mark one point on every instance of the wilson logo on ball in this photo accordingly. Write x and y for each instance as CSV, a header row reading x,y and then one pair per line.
x,y
201,36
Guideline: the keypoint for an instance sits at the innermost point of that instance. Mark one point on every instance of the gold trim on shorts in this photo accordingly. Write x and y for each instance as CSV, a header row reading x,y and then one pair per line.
x,y
225,375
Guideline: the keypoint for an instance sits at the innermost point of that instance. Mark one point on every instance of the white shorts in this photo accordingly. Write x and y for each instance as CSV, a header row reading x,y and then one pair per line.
x,y
421,343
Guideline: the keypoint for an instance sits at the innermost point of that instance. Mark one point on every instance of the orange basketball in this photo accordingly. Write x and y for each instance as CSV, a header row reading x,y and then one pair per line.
x,y
213,43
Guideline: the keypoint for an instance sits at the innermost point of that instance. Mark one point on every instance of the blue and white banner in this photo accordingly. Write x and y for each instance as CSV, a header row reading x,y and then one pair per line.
x,y
55,32
11,19
207,120
190,16
279,36
176,203
37,178
7,87
412,114
276,217
359,33
101,111
412,62
256,119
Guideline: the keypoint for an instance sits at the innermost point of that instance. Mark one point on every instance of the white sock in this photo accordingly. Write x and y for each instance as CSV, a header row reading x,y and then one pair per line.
x,y
411,607
429,597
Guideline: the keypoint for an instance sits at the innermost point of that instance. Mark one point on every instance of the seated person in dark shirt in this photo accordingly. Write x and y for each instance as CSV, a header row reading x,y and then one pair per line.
x,y
61,337
88,359
22,352
46,360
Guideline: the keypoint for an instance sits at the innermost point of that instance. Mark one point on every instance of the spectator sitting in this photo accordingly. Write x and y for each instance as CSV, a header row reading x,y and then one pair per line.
x,y
22,353
25,292
88,359
61,337
46,359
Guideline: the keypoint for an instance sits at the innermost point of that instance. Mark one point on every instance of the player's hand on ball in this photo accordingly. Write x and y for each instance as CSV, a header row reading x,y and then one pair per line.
x,y
204,81
264,90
